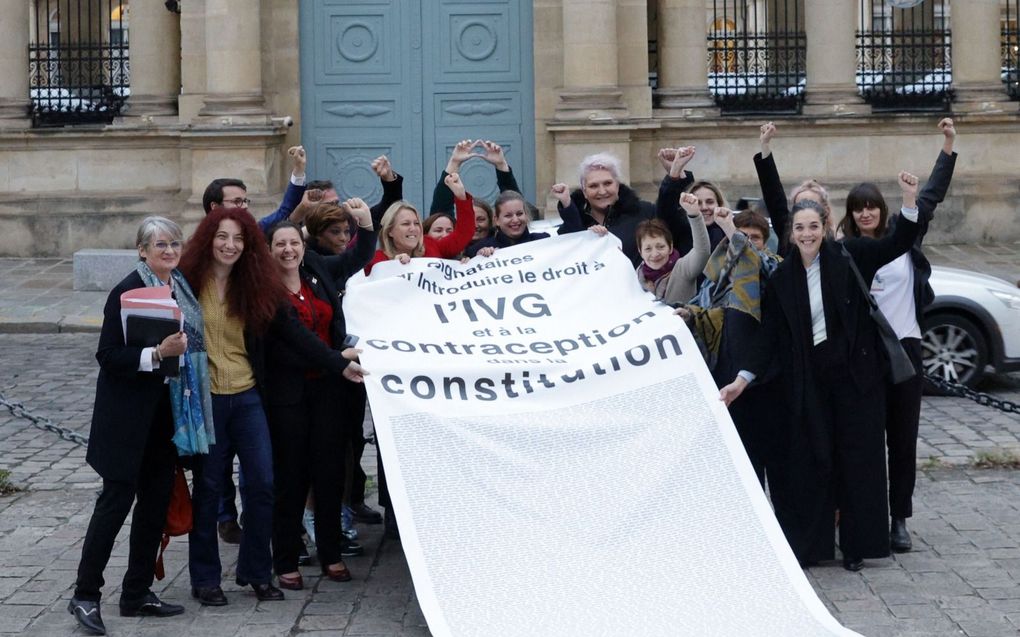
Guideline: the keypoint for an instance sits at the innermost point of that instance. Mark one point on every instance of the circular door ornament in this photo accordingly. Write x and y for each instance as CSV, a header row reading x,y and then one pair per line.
x,y
357,42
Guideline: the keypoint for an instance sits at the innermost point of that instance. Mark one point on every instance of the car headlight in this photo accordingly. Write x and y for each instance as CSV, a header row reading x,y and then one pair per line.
x,y
1012,301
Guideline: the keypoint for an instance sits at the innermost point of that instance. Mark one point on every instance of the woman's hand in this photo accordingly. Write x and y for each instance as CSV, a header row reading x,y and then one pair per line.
x,y
599,230
300,159
683,155
355,373
768,131
949,131
456,186
731,392
562,194
487,251
403,258
381,167
494,155
908,187
174,345
724,217
690,204
360,211
461,153
665,157
351,353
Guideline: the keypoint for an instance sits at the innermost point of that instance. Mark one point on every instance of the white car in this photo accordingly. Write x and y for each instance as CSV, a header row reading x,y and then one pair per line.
x,y
973,325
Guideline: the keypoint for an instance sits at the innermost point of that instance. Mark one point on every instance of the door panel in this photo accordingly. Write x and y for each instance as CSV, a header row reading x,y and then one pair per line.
x,y
410,78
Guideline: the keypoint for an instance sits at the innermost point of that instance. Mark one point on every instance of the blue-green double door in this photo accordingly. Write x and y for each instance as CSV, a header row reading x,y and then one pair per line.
x,y
410,78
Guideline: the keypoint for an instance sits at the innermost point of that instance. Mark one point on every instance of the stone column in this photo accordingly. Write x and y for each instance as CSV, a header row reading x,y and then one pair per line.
x,y
14,65
233,59
976,57
155,54
591,88
831,89
683,51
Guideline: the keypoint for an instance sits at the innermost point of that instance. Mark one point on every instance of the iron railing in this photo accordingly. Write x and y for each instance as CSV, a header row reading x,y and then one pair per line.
x,y
756,56
78,61
1010,49
904,56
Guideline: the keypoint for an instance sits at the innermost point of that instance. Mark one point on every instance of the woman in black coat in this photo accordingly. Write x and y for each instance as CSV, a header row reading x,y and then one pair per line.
x,y
816,320
306,409
131,442
603,200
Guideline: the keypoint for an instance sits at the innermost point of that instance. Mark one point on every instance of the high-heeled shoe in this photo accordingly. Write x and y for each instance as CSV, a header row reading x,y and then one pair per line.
x,y
337,572
291,582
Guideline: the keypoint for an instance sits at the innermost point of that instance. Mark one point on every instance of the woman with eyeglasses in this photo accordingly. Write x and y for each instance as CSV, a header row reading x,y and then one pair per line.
x,y
132,439
243,302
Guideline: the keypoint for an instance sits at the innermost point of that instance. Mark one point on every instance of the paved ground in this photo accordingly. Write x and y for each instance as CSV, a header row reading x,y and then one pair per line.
x,y
963,578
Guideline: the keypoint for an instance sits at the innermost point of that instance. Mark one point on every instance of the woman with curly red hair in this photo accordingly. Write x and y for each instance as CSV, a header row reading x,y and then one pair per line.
x,y
243,299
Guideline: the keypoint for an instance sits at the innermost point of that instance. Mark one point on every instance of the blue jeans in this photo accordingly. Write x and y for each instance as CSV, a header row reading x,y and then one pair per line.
x,y
241,429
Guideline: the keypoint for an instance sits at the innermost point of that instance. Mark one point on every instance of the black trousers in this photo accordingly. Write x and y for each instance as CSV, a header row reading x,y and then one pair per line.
x,y
308,443
354,424
903,413
152,490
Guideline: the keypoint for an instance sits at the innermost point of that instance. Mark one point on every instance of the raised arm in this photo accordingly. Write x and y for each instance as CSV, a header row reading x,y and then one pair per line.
x,y
505,179
392,184
295,190
934,191
464,224
568,210
771,186
442,198
676,181
691,264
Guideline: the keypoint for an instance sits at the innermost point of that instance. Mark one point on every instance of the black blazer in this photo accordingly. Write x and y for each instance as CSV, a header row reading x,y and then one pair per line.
x,y
126,398
285,372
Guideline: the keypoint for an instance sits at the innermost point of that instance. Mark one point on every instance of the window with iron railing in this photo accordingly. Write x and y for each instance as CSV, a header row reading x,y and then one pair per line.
x,y
1010,49
903,58
78,61
756,55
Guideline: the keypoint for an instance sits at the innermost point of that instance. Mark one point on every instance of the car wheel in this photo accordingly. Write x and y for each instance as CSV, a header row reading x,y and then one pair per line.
x,y
954,349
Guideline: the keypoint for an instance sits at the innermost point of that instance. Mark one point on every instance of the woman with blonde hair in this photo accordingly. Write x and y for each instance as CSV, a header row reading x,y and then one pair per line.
x,y
401,235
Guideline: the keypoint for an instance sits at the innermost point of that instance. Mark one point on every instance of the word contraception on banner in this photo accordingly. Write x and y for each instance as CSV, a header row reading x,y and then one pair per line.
x,y
558,458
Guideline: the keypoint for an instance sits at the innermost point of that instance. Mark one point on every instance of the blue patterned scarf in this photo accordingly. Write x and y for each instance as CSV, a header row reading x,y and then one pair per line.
x,y
190,397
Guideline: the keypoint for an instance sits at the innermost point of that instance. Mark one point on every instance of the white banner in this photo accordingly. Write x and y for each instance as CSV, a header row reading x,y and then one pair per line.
x,y
558,458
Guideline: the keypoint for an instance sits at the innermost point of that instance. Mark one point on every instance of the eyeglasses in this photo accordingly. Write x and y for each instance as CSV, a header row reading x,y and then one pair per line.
x,y
237,201
163,246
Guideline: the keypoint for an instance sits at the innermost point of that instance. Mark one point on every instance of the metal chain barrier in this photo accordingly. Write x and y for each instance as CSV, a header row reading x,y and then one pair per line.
x,y
18,410
962,391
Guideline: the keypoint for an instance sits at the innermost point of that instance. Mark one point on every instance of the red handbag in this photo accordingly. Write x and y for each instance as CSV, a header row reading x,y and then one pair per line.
x,y
178,517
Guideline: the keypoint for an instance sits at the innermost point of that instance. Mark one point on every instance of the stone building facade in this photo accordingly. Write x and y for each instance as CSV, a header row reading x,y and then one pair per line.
x,y
209,88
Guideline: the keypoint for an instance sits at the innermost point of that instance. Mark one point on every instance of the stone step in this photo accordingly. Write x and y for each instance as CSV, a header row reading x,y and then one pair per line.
x,y
101,269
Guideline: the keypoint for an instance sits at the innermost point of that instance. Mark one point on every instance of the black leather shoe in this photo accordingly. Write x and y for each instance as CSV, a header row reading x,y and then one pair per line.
x,y
853,564
899,537
149,606
230,531
366,514
264,592
209,596
88,616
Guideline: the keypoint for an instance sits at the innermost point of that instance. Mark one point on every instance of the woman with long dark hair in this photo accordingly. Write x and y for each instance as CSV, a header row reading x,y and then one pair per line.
x,y
242,297
902,291
817,322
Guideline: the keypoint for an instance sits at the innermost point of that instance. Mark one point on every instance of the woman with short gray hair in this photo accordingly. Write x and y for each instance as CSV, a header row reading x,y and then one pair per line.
x,y
603,200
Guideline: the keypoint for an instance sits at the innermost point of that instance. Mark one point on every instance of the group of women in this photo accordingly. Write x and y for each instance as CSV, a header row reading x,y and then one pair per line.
x,y
264,351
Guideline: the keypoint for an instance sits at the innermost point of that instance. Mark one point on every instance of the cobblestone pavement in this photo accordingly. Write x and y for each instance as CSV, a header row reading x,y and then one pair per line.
x,y
963,577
